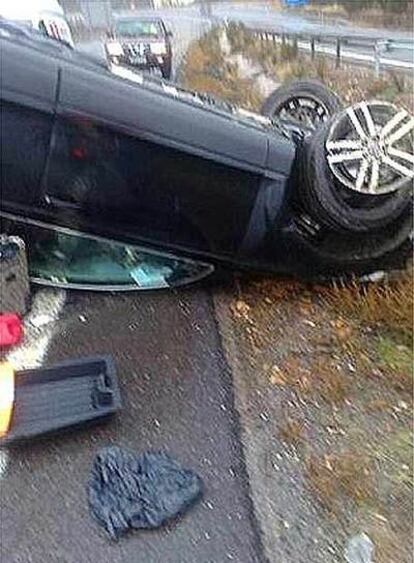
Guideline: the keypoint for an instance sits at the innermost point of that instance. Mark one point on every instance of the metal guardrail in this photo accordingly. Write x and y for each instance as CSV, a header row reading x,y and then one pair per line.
x,y
339,47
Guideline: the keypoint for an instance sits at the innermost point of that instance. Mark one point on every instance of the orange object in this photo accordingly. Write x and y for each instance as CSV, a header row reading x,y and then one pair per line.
x,y
6,396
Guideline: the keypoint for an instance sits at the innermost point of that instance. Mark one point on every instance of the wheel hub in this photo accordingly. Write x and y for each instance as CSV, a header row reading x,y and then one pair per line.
x,y
375,149
305,110
370,148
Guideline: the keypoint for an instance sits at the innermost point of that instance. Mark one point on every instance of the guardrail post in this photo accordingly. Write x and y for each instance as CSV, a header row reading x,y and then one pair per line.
x,y
313,47
377,58
338,53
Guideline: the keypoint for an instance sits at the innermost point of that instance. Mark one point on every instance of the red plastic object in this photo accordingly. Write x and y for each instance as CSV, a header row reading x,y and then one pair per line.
x,y
11,330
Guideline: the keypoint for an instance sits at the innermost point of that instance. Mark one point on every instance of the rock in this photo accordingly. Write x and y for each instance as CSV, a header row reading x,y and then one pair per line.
x,y
359,549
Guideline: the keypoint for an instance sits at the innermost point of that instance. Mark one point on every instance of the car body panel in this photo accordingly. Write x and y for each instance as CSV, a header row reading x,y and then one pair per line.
x,y
29,80
154,115
29,86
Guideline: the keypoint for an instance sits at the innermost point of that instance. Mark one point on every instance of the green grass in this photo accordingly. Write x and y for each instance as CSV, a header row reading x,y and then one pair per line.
x,y
396,458
397,357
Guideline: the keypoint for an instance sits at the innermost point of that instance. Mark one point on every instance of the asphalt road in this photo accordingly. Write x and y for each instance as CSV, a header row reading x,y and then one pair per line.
x,y
178,397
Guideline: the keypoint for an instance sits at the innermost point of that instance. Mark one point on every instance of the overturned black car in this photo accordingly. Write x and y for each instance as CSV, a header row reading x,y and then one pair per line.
x,y
134,159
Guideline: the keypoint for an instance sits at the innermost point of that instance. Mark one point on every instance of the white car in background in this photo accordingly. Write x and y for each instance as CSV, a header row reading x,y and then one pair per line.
x,y
46,16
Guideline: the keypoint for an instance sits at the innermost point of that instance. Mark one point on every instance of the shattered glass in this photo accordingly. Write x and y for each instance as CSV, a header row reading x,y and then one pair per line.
x,y
78,261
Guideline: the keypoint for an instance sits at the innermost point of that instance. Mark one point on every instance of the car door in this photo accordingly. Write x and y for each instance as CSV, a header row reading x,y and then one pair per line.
x,y
28,93
128,161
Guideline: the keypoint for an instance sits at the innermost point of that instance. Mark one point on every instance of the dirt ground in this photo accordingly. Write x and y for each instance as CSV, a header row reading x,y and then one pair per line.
x,y
330,389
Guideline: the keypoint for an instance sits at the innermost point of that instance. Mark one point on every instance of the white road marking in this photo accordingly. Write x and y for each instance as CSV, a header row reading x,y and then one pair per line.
x,y
39,328
46,306
4,460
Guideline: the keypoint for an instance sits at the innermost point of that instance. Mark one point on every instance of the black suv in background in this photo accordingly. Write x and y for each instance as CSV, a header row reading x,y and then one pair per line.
x,y
141,42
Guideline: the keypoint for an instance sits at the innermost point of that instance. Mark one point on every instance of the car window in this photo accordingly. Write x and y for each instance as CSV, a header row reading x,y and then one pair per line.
x,y
108,178
25,137
68,259
139,27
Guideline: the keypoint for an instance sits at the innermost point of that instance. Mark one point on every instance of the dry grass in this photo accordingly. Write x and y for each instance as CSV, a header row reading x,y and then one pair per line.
x,y
377,18
381,338
387,306
366,326
322,380
205,70
336,477
292,431
276,4
271,291
330,382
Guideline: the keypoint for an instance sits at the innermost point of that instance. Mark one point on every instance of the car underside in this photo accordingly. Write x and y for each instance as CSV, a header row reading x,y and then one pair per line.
x,y
308,188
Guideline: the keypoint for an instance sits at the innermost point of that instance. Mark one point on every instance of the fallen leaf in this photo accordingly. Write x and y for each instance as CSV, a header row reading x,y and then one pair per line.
x,y
304,383
380,517
343,333
240,309
277,377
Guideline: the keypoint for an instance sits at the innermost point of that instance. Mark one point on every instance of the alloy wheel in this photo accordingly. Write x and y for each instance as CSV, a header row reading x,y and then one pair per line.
x,y
370,148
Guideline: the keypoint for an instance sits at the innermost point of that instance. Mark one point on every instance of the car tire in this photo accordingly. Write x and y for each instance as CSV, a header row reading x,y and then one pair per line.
x,y
326,102
357,253
338,207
